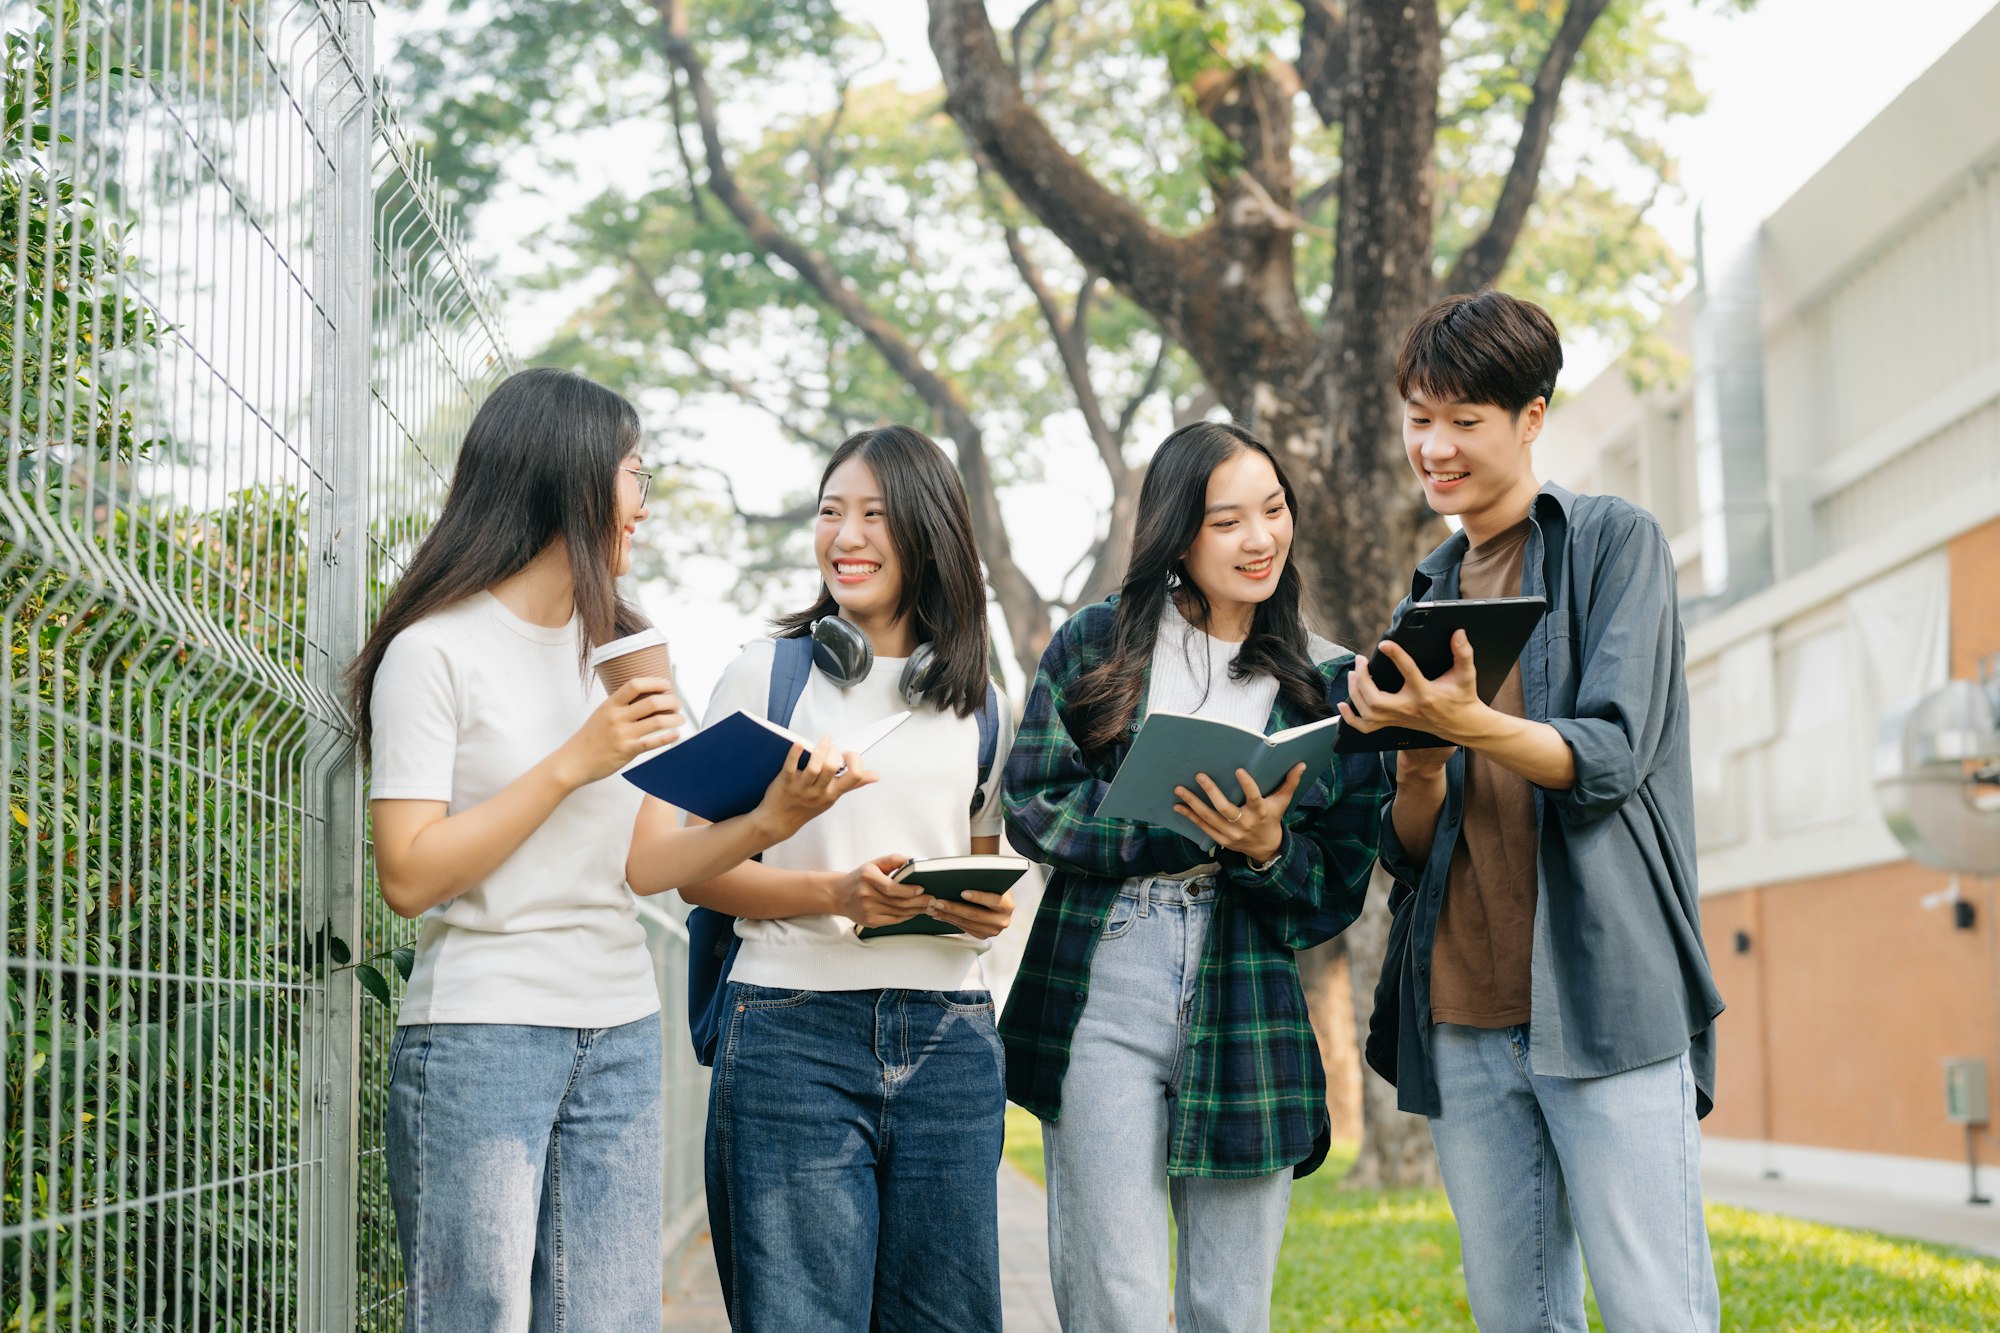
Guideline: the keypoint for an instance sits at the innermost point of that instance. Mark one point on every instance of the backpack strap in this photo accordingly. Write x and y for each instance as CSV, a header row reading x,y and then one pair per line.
x,y
989,744
791,667
712,939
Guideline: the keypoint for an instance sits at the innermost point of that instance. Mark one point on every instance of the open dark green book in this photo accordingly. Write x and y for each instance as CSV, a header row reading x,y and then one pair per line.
x,y
949,877
1172,747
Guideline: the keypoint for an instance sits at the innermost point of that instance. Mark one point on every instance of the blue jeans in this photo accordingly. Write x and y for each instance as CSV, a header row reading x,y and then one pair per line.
x,y
1536,1165
526,1171
853,1142
1106,1153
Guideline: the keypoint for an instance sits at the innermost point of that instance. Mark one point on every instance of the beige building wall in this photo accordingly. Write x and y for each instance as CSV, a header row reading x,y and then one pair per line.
x,y
1878,349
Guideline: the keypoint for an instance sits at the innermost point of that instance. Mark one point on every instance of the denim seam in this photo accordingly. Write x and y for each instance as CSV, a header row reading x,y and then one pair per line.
x,y
419,1307
1179,1185
725,1079
558,1275
1052,1178
1542,1212
1692,1218
786,1002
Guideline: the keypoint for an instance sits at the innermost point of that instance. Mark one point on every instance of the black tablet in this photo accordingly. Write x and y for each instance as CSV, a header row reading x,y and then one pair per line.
x,y
1498,627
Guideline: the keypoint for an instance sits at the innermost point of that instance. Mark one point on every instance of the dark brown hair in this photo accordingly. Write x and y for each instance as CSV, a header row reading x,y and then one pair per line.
x,y
1172,504
943,595
1485,348
539,462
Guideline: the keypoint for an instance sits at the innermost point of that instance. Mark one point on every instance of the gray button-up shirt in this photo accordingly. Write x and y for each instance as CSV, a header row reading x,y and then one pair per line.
x,y
1620,976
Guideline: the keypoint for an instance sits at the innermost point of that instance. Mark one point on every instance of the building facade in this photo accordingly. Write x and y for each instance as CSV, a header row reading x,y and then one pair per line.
x,y
1828,471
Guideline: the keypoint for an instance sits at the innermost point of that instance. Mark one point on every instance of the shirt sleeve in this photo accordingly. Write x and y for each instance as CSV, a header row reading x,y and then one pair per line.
x,y
1626,682
413,740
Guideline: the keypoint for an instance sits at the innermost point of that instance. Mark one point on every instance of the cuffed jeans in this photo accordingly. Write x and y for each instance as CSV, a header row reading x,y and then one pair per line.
x,y
526,1172
1537,1165
853,1145
1106,1155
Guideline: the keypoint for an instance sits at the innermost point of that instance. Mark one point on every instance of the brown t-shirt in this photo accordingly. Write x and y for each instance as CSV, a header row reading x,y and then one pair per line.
x,y
1486,932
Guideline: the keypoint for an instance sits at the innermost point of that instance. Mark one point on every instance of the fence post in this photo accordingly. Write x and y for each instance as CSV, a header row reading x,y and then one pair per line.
x,y
343,281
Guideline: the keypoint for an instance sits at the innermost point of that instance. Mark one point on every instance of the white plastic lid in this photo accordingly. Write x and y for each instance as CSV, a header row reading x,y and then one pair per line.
x,y
631,643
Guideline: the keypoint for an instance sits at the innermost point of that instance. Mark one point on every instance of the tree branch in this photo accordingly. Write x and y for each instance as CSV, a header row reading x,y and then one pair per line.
x,y
1323,59
1315,198
787,518
1479,264
1073,349
680,146
1026,610
1020,35
1151,385
1105,232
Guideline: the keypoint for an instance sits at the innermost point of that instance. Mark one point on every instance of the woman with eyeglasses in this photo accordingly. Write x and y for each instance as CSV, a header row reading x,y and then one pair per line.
x,y
855,1114
524,1123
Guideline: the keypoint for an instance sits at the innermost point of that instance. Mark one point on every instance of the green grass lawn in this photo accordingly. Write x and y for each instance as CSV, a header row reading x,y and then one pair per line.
x,y
1382,1260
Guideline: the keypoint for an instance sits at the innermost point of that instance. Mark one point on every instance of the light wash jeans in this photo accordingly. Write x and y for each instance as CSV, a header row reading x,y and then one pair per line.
x,y
1535,1164
1106,1155
525,1167
853,1149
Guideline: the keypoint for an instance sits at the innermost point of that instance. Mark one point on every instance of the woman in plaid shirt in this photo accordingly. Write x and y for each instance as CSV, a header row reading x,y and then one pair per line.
x,y
1157,1026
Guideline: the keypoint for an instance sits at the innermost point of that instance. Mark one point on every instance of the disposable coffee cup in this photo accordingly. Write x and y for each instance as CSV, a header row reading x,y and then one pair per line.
x,y
641,654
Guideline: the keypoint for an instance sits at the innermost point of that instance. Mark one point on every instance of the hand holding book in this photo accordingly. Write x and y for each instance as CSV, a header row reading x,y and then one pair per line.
x,y
809,783
1180,760
870,896
1252,826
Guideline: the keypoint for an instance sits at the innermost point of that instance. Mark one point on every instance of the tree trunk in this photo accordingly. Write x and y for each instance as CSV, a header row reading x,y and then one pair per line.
x,y
1325,972
1395,1145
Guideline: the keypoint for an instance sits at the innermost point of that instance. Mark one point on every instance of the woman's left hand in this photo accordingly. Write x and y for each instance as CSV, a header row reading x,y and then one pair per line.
x,y
980,915
1255,827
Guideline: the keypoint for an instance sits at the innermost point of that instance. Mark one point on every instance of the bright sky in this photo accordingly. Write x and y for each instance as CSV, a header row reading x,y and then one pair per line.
x,y
1789,83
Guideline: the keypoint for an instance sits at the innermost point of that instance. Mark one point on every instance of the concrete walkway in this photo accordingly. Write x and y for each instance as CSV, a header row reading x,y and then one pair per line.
x,y
694,1298
1968,1226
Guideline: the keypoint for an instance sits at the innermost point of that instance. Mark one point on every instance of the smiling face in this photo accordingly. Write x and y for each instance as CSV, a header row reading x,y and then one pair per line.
x,y
631,510
1245,537
857,556
1475,460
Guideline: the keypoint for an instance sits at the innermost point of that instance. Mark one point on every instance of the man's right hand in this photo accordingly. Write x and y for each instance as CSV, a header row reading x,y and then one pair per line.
x,y
868,897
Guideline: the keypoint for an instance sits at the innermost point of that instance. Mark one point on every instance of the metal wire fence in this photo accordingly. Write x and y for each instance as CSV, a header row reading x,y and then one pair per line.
x,y
239,340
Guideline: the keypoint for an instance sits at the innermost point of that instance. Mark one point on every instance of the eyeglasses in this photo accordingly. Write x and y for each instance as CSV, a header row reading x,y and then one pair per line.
x,y
645,481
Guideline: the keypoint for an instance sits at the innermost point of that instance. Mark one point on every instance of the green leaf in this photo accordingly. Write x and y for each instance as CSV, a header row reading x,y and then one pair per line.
x,y
373,982
337,949
405,959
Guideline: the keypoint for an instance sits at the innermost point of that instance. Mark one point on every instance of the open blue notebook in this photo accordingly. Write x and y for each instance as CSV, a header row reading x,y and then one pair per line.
x,y
721,771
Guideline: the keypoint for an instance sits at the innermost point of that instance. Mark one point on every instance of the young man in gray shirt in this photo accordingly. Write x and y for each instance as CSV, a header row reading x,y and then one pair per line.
x,y
1546,1000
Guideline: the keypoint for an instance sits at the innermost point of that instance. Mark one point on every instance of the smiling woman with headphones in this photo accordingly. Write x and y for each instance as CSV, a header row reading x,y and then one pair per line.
x,y
855,1115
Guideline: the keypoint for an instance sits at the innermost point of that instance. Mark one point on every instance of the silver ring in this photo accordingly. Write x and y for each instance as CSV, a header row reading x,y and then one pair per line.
x,y
1238,815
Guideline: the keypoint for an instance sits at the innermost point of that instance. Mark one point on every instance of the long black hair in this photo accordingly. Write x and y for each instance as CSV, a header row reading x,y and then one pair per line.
x,y
1172,504
930,524
540,462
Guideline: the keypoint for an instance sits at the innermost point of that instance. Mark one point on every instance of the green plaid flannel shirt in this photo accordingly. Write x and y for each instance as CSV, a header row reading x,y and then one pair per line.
x,y
1253,1095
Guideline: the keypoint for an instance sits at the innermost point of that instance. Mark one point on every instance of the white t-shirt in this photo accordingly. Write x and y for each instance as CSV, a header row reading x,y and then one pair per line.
x,y
1191,675
466,701
920,808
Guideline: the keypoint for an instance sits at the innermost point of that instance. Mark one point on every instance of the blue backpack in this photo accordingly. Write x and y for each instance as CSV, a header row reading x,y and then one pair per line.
x,y
712,940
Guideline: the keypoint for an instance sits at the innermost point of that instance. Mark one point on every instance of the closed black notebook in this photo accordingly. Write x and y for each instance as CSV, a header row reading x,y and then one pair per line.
x,y
949,877
1498,628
